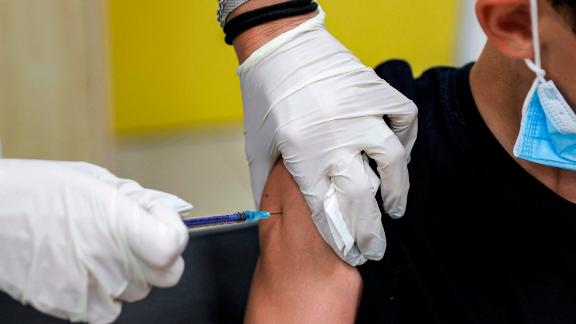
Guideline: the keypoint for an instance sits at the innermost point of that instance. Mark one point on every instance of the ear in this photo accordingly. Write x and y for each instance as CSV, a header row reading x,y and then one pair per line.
x,y
508,26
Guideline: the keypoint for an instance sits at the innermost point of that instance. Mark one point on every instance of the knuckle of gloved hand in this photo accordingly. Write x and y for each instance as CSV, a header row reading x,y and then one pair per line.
x,y
396,157
131,188
411,110
92,169
354,183
87,166
89,189
358,191
169,246
167,277
136,291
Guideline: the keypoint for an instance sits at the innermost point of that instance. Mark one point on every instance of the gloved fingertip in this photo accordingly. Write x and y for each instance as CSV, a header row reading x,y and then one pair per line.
x,y
172,201
375,255
397,213
175,274
135,293
171,217
356,262
168,277
159,238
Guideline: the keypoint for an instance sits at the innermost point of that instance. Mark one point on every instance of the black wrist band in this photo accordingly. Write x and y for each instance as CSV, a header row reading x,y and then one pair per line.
x,y
251,19
265,10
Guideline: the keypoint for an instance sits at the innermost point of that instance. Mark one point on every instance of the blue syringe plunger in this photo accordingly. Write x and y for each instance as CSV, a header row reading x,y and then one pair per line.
x,y
236,218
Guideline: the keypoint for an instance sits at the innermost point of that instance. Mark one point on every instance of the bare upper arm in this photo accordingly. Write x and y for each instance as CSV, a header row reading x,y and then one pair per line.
x,y
298,278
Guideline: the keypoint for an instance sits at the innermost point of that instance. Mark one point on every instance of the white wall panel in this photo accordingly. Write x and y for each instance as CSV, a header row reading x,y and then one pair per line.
x,y
471,36
53,80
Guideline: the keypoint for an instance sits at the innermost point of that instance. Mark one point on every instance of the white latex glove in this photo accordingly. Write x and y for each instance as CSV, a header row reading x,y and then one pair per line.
x,y
310,100
76,241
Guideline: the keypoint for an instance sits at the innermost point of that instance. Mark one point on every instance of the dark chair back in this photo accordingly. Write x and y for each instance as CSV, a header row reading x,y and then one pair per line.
x,y
213,290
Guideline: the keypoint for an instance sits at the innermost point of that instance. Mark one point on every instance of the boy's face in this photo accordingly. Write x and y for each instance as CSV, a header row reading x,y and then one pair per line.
x,y
507,24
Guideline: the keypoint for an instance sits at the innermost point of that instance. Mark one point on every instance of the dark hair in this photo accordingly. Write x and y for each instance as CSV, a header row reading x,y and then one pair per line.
x,y
571,4
570,7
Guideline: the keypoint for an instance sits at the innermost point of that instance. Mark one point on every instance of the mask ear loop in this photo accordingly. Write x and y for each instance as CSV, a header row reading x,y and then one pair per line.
x,y
540,73
536,65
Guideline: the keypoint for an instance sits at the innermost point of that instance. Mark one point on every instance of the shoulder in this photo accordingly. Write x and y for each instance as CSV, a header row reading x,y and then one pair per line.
x,y
399,74
443,97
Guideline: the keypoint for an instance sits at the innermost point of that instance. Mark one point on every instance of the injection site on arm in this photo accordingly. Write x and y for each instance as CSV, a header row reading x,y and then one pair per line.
x,y
298,278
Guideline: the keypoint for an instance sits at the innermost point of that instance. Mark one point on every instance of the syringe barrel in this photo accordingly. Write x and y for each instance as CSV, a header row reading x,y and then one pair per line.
x,y
216,220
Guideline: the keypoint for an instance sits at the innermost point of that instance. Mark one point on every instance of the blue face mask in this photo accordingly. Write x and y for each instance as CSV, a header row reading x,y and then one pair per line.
x,y
548,129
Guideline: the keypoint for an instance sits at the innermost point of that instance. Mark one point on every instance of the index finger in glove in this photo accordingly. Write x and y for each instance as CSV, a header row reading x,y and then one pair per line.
x,y
405,125
355,189
322,197
156,238
169,273
392,161
163,235
131,188
147,275
375,97
148,198
92,170
402,113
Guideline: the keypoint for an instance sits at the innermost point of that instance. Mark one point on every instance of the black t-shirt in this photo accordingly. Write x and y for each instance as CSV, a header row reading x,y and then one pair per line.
x,y
482,240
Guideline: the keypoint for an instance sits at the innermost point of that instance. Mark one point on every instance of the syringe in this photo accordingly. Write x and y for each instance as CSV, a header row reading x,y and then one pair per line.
x,y
236,218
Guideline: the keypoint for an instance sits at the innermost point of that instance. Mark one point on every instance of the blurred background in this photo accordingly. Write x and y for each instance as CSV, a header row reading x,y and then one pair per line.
x,y
149,90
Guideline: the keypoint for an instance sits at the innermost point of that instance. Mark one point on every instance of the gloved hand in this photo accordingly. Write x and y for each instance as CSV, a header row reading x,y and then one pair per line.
x,y
76,241
310,100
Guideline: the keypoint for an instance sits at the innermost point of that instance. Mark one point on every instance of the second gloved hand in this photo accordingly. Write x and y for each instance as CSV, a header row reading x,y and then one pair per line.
x,y
76,241
310,100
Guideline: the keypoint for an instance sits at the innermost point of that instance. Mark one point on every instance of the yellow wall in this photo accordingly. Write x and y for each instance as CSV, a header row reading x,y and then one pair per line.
x,y
172,70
